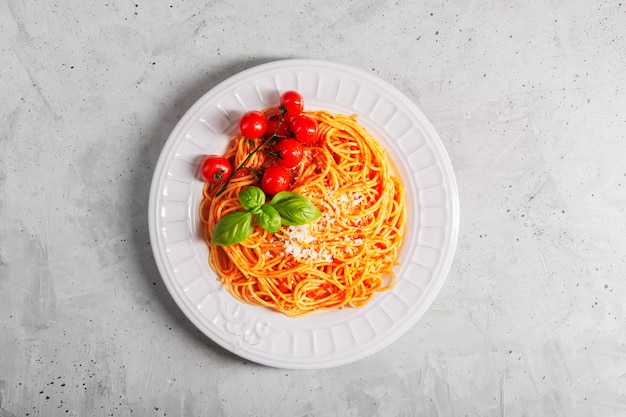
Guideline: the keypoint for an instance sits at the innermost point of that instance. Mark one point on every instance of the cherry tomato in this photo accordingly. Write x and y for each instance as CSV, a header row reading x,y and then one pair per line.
x,y
304,128
273,117
242,173
293,102
289,152
275,179
252,124
215,169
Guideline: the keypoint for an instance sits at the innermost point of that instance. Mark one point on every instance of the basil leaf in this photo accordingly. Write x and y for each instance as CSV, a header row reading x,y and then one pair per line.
x,y
268,218
294,209
232,228
251,197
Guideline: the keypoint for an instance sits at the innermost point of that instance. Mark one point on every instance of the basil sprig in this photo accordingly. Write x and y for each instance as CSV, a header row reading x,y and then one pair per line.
x,y
285,208
294,209
232,228
251,197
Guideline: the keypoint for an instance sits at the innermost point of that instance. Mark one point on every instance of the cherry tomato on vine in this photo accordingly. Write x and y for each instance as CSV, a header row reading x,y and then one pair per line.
x,y
252,124
275,179
293,102
215,169
289,152
242,173
304,128
273,118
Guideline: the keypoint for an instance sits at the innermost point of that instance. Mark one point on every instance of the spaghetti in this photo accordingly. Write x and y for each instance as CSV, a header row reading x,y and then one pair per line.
x,y
341,259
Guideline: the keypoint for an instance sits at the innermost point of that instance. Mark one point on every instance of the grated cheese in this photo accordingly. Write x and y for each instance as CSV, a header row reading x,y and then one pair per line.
x,y
299,236
301,233
301,243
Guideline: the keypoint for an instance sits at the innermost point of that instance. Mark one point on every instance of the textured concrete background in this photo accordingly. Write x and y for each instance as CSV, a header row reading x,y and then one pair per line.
x,y
529,99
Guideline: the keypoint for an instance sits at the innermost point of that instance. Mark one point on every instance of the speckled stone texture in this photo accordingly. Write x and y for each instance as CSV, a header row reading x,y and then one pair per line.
x,y
529,99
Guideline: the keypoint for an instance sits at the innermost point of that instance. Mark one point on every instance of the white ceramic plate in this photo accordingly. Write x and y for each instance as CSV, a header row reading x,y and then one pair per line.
x,y
322,339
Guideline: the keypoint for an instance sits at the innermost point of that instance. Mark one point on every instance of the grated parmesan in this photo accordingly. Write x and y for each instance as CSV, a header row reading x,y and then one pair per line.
x,y
301,243
297,236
